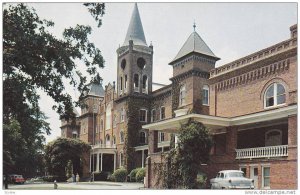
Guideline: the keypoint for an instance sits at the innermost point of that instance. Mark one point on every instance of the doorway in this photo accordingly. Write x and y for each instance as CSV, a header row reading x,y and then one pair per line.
x,y
254,176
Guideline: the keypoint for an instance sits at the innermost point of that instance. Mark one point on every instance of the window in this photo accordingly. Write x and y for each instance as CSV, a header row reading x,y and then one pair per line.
x,y
266,177
153,114
121,137
161,136
121,159
125,83
114,140
142,137
182,95
273,138
205,95
275,95
108,117
162,113
123,64
143,115
145,84
141,63
136,82
122,114
107,140
121,84
74,134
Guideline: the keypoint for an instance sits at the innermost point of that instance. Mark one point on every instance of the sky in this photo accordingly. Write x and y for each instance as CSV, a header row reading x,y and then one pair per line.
x,y
231,30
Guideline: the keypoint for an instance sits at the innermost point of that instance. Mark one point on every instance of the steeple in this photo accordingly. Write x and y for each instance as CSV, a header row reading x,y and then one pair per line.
x,y
194,44
135,30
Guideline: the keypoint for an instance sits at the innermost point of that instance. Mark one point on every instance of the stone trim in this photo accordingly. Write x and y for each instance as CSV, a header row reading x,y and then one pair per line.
x,y
257,56
253,75
195,58
189,73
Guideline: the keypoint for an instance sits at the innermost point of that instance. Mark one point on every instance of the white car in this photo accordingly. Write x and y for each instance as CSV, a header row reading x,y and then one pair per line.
x,y
231,179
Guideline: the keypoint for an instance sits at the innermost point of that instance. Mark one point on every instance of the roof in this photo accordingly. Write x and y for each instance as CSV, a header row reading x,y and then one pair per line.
x,y
135,30
95,89
194,44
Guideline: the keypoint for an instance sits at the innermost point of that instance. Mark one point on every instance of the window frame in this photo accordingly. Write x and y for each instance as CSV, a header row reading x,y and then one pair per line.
x,y
160,114
205,88
153,115
263,177
182,95
121,136
145,115
160,137
275,95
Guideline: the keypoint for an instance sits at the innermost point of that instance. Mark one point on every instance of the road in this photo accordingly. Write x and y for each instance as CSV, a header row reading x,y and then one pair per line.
x,y
79,186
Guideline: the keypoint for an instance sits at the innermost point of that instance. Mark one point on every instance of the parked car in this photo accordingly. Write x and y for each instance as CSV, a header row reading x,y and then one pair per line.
x,y
17,179
231,179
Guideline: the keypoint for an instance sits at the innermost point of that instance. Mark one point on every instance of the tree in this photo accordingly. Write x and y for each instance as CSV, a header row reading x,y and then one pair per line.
x,y
184,161
35,59
60,152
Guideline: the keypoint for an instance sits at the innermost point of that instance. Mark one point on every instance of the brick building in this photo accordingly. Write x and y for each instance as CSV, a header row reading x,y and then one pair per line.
x,y
249,106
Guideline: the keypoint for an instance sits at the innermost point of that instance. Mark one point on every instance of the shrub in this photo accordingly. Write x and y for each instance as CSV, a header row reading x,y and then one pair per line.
x,y
140,175
110,177
120,175
201,180
132,174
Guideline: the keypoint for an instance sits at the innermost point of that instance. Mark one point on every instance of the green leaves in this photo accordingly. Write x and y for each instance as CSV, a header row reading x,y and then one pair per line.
x,y
96,10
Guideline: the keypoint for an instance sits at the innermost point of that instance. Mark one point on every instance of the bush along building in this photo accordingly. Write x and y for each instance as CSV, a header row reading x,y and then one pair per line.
x,y
248,105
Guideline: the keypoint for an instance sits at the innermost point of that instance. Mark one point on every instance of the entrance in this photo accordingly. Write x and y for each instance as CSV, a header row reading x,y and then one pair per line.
x,y
254,176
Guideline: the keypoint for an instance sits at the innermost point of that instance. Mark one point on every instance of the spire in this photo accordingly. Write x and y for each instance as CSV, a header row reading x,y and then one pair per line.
x,y
135,30
194,44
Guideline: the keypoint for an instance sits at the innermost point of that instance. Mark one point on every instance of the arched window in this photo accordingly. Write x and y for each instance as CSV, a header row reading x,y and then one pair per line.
x,y
273,137
107,140
114,140
121,137
108,117
141,63
123,64
145,84
275,95
182,93
136,82
125,83
121,84
205,95
143,137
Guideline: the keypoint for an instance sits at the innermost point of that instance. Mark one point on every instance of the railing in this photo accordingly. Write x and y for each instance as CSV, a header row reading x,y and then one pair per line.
x,y
262,152
104,146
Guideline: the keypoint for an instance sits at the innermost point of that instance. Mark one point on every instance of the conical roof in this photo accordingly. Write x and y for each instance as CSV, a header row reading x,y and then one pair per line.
x,y
135,30
194,44
95,89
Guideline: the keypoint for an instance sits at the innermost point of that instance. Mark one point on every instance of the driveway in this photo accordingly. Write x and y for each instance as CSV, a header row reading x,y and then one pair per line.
x,y
97,185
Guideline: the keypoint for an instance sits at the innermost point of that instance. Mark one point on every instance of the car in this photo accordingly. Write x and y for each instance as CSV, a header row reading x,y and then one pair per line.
x,y
231,179
17,179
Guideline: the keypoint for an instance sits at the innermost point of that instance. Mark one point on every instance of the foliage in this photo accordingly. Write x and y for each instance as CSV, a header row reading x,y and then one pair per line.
x,y
184,162
69,169
34,59
120,175
62,150
140,175
110,177
132,174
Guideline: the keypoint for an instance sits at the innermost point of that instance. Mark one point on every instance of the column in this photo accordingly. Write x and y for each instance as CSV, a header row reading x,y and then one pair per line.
x,y
143,157
91,163
292,137
115,161
101,162
176,140
97,165
152,140
231,141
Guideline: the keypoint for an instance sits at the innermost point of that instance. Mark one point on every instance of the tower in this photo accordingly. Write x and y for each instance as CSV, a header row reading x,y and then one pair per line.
x,y
191,70
135,59
134,87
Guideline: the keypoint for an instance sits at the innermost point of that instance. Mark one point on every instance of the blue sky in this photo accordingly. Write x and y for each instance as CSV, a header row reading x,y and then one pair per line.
x,y
231,30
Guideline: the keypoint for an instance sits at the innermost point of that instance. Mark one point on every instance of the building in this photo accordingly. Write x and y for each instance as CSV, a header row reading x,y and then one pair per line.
x,y
249,105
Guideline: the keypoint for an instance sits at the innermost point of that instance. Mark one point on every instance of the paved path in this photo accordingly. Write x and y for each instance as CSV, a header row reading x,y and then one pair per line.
x,y
79,186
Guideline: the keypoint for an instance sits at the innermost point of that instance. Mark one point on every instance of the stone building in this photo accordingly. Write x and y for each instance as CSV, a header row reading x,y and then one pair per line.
x,y
249,106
